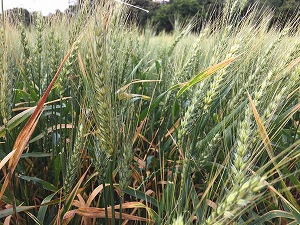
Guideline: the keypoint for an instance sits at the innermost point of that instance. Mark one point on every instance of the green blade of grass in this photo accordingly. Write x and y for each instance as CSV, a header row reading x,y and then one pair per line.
x,y
42,211
203,75
141,195
45,184
271,215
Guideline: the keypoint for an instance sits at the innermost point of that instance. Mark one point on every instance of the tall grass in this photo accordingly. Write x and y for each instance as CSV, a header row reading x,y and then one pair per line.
x,y
182,128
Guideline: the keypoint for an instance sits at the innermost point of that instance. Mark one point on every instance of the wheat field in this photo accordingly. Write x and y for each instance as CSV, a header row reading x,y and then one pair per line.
x,y
102,122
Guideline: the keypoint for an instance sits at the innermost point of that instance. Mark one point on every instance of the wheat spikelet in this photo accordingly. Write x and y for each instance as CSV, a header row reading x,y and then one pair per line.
x,y
53,50
101,99
26,60
260,68
239,196
6,81
37,56
124,159
73,157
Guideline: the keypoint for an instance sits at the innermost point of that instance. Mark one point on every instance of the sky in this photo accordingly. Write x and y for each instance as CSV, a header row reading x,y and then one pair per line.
x,y
45,6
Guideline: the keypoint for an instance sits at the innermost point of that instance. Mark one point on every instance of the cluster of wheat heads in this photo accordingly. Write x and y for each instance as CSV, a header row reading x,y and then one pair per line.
x,y
138,128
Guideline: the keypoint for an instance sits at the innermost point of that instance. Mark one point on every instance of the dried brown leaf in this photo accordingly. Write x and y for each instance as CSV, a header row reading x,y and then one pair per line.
x,y
7,220
92,212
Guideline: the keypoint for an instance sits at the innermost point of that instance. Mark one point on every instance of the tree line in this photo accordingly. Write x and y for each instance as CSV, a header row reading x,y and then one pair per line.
x,y
162,15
